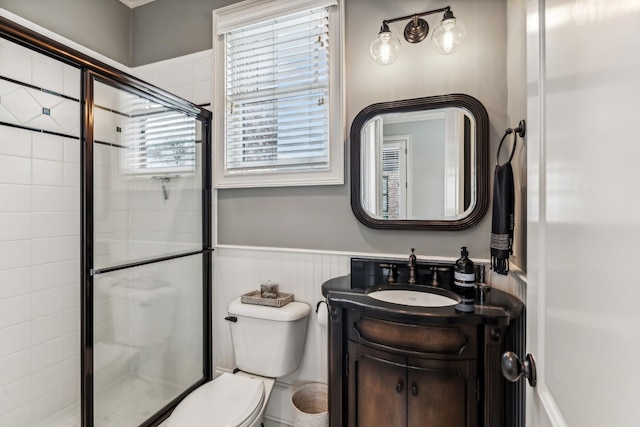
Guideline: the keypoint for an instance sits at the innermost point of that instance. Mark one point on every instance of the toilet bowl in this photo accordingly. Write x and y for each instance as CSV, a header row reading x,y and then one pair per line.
x,y
268,342
238,399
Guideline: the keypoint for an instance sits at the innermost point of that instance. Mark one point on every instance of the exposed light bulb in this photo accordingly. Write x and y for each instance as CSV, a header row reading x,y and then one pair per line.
x,y
384,48
449,35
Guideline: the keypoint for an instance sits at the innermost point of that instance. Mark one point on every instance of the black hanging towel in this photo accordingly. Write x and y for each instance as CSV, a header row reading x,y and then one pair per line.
x,y
502,222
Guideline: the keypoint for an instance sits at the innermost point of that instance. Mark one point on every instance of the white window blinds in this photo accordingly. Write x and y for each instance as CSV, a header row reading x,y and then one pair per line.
x,y
277,94
391,182
157,138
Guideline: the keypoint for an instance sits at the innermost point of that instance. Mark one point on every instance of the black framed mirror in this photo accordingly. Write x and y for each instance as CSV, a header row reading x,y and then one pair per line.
x,y
421,164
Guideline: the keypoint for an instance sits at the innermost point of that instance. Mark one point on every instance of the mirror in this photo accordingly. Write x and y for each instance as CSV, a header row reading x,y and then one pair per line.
x,y
420,163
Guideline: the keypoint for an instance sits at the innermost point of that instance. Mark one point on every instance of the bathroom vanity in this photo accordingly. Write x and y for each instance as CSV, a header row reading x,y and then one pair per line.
x,y
413,363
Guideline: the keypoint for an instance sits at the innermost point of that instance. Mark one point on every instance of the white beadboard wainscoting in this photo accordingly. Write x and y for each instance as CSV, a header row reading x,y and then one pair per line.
x,y
241,269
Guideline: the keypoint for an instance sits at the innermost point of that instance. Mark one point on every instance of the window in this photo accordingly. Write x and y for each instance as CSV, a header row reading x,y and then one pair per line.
x,y
278,94
157,139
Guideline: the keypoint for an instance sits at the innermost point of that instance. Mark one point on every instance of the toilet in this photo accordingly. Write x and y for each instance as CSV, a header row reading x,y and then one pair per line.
x,y
268,342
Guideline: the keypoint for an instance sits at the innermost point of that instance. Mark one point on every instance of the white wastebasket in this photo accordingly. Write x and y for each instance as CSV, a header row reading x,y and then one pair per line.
x,y
310,403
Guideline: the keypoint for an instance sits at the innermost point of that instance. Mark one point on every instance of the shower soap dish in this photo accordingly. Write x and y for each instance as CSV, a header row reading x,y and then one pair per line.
x,y
255,298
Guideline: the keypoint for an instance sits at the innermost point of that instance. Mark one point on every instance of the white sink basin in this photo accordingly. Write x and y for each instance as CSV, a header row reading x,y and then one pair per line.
x,y
415,298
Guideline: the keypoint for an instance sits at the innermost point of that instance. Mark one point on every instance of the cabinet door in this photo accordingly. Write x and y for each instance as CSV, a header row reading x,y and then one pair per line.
x,y
442,394
377,388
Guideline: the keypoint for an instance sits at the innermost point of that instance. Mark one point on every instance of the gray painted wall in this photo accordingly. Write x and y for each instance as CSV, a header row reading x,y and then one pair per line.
x,y
103,26
165,29
321,217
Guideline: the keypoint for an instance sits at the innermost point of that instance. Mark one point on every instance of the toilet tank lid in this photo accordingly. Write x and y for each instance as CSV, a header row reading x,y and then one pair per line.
x,y
287,313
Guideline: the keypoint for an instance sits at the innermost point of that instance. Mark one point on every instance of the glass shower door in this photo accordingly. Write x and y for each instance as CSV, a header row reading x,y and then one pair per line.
x,y
149,257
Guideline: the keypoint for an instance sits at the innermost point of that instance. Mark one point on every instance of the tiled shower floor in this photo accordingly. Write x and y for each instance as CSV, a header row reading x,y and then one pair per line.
x,y
126,403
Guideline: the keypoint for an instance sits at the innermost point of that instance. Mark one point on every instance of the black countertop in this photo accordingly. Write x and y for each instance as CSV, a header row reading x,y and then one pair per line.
x,y
498,308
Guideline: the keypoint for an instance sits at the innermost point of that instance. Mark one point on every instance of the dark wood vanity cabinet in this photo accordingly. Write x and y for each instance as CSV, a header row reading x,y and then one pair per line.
x,y
386,389
390,373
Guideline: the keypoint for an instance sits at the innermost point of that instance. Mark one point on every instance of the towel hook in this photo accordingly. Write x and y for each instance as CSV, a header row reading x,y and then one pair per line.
x,y
521,131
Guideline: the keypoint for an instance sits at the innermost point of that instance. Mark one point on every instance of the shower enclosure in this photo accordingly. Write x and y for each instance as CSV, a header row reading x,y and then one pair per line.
x,y
105,241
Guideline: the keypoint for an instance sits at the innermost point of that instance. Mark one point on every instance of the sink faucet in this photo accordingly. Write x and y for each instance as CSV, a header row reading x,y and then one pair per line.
x,y
413,276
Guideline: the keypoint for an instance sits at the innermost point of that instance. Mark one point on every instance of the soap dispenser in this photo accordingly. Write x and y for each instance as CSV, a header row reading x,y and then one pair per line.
x,y
463,281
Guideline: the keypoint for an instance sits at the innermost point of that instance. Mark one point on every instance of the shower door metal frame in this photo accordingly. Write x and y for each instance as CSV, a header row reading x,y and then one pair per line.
x,y
91,70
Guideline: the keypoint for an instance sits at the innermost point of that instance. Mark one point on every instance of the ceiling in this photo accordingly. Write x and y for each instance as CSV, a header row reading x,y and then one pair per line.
x,y
135,3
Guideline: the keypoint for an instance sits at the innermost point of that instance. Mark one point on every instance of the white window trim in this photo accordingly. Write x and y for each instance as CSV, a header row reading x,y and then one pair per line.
x,y
253,11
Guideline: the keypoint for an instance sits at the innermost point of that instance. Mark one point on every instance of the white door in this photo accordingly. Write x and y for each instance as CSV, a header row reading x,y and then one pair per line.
x,y
584,212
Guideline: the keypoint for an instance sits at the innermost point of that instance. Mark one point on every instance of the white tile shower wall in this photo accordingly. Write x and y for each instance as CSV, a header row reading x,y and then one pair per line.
x,y
187,76
39,239
241,269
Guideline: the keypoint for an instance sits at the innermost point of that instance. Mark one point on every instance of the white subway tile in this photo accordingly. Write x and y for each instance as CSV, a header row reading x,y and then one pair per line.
x,y
15,170
47,172
71,368
70,199
46,146
71,296
15,254
150,74
15,338
72,150
46,199
45,251
15,226
46,380
48,76
46,224
184,72
71,82
71,391
184,90
202,69
46,328
15,394
15,142
101,178
47,354
72,175
19,417
14,367
71,248
14,311
47,404
202,92
15,282
71,321
71,344
46,276
71,272
15,65
15,198
46,302
71,223
167,77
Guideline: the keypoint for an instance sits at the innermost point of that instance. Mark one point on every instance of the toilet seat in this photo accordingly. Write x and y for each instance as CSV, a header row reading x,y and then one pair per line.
x,y
228,401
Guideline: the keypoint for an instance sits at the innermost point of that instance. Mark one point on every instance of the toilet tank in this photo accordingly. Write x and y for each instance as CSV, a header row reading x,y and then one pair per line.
x,y
268,341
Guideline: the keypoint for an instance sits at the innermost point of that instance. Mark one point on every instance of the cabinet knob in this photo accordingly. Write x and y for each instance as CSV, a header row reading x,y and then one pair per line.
x,y
513,369
414,389
399,386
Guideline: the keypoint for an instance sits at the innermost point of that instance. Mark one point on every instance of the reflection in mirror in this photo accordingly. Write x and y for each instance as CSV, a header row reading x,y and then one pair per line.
x,y
420,163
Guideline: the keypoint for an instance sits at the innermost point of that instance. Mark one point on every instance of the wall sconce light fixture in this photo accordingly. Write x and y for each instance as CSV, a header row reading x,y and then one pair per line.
x,y
446,38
